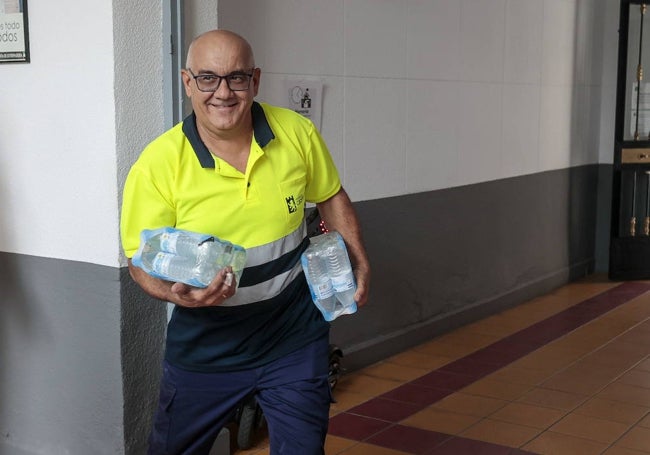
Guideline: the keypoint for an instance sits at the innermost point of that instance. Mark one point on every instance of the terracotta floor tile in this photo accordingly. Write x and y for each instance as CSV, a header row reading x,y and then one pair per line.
x,y
366,385
637,378
369,449
394,372
572,377
553,399
617,354
645,422
587,338
561,444
644,365
615,411
433,419
497,389
582,378
408,439
441,349
462,403
621,451
522,375
465,337
626,393
419,359
637,438
389,410
495,325
591,428
550,358
335,445
502,433
640,336
529,415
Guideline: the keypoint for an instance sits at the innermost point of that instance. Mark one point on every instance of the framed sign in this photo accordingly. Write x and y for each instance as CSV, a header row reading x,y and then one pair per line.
x,y
14,34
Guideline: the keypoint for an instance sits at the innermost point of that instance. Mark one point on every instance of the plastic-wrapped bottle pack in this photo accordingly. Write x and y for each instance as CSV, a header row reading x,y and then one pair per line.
x,y
329,274
187,257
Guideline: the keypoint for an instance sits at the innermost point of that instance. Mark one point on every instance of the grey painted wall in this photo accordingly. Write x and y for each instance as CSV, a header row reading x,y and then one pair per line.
x,y
80,345
60,373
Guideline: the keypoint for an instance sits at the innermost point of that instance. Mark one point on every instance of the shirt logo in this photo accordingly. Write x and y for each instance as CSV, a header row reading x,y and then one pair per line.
x,y
293,203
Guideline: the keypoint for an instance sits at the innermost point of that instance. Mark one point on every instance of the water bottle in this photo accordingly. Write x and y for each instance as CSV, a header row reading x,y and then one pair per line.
x,y
180,268
340,271
176,242
320,283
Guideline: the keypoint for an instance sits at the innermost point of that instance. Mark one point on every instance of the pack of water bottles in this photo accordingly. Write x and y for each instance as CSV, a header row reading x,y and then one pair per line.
x,y
187,257
329,275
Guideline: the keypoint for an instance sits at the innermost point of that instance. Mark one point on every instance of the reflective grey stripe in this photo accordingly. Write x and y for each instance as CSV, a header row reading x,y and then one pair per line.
x,y
265,290
267,253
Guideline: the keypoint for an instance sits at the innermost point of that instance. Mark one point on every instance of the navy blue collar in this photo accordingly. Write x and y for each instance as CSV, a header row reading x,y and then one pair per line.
x,y
261,129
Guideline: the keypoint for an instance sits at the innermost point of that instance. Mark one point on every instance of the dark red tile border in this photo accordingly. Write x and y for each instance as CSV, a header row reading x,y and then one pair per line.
x,y
408,439
459,446
355,427
414,396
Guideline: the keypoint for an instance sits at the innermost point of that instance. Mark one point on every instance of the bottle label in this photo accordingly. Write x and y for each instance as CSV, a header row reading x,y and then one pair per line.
x,y
343,282
168,242
324,290
160,263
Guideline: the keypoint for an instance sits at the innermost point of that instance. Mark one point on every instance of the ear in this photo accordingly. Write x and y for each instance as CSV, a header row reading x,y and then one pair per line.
x,y
256,80
187,80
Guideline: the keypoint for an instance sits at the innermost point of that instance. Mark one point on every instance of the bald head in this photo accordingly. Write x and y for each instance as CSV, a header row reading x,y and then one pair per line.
x,y
221,43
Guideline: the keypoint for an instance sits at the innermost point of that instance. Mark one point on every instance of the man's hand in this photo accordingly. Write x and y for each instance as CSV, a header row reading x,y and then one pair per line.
x,y
222,287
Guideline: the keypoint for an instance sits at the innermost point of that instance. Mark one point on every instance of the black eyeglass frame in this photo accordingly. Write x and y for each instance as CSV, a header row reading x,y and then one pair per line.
x,y
236,73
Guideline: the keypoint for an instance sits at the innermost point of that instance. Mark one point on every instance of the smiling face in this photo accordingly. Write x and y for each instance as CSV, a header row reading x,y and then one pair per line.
x,y
223,113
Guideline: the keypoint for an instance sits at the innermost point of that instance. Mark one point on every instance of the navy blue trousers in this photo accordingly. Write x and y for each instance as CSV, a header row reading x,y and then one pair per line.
x,y
293,392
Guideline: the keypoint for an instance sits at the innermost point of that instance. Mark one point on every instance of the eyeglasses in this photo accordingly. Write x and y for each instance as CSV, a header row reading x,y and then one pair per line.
x,y
237,81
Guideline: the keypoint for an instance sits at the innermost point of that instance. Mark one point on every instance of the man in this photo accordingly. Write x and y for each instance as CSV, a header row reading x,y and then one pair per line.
x,y
241,171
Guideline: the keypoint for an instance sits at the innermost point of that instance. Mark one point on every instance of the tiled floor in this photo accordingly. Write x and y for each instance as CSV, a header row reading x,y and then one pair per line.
x,y
566,373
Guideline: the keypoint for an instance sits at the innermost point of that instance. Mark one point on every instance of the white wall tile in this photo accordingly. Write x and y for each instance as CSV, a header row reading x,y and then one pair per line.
x,y
520,150
375,38
238,16
479,137
555,127
304,36
433,39
586,37
375,123
523,41
433,121
558,53
482,40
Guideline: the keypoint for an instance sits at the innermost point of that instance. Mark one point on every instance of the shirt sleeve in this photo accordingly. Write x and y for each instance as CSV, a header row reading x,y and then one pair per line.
x,y
145,205
323,180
